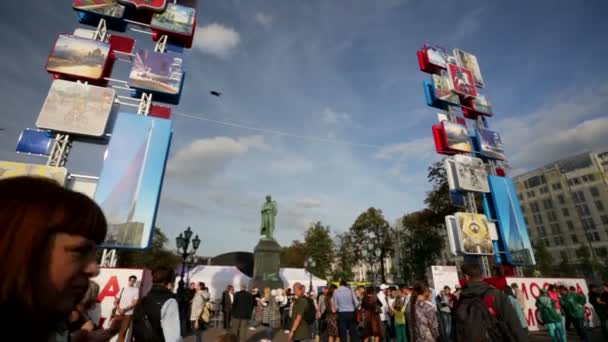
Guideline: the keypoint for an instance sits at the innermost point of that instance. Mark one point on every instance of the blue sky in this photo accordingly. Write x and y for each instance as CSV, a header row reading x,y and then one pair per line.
x,y
337,70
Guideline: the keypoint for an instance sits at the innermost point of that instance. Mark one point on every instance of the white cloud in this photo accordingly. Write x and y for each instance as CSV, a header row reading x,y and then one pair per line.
x,y
204,158
332,117
264,19
467,26
216,39
421,148
309,203
569,124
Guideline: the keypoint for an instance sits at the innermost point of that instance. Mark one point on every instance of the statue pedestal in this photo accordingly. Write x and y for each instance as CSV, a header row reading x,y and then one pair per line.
x,y
266,265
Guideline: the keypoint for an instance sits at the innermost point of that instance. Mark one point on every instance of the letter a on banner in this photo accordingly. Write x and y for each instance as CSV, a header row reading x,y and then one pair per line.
x,y
111,289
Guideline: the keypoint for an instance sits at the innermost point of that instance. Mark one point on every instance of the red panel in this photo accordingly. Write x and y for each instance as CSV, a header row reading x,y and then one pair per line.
x,y
122,43
463,80
439,137
152,5
160,111
500,172
424,64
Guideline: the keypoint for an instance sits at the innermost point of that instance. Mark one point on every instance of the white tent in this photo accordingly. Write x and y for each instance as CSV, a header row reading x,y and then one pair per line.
x,y
290,276
217,278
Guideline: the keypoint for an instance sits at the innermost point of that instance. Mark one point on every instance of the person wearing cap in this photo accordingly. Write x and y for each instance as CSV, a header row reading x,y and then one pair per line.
x,y
384,312
550,318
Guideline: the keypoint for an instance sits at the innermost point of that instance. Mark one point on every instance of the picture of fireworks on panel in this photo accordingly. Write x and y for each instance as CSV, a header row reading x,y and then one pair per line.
x,y
457,137
444,90
105,8
513,229
491,144
13,169
156,72
76,108
78,57
469,62
130,182
153,5
475,234
437,55
462,80
175,19
471,174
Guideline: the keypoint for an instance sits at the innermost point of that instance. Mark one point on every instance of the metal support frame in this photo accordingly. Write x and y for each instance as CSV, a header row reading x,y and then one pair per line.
x,y
145,103
60,150
109,258
161,44
102,31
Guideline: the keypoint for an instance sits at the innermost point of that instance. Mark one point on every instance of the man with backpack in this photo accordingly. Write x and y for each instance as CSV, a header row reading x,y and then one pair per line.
x,y
156,316
483,313
304,314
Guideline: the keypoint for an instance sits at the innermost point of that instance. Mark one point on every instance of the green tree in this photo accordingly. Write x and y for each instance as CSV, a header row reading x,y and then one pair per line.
x,y
438,199
319,246
293,255
544,260
421,244
156,256
345,257
373,238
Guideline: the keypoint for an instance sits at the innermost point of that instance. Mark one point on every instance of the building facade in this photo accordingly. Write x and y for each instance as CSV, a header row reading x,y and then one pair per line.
x,y
565,205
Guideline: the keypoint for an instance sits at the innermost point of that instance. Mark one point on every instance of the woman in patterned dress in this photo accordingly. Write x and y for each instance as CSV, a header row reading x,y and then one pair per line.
x,y
372,326
422,315
330,316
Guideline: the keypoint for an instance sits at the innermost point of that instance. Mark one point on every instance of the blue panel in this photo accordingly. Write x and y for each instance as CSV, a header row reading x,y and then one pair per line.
x,y
129,185
175,48
499,248
35,141
431,99
511,225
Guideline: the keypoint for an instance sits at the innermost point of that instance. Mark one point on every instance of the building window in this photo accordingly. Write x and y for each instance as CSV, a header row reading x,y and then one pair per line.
x,y
601,251
583,210
570,225
594,191
590,178
555,228
556,186
578,196
574,238
551,215
534,206
588,223
586,210
526,221
565,212
564,255
538,219
547,243
599,205
604,219
544,190
541,231
596,236
561,199
548,204
556,241
531,194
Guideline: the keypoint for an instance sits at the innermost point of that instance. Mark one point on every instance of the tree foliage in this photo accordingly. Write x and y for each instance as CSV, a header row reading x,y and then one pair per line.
x,y
319,246
544,260
345,257
293,255
373,238
421,244
156,256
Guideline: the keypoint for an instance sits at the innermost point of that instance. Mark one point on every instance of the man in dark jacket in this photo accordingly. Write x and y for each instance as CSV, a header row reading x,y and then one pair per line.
x,y
241,312
495,301
227,299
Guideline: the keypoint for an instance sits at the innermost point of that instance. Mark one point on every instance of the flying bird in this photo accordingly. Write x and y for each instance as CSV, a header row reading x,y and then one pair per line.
x,y
215,93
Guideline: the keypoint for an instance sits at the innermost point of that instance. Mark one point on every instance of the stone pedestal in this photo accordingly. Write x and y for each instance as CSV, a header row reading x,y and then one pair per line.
x,y
266,265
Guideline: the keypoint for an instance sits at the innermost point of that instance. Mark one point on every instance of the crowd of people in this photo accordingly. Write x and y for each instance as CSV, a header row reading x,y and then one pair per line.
x,y
50,235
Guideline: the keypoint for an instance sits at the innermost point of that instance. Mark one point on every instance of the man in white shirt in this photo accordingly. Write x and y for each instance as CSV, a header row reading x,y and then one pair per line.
x,y
124,304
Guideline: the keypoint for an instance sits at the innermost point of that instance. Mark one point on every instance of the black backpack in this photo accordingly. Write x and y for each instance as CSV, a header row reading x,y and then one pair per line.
x,y
474,321
147,315
310,314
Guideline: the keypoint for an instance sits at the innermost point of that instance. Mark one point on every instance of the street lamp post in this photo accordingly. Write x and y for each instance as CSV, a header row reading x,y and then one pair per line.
x,y
183,242
309,264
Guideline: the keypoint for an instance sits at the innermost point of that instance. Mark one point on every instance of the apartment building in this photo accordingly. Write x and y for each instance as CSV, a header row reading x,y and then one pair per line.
x,y
565,204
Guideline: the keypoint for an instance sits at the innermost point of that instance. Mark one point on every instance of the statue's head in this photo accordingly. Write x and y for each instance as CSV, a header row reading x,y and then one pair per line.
x,y
268,198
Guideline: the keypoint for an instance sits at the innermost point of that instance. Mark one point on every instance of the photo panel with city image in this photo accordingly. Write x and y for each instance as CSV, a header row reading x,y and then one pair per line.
x,y
437,55
491,144
462,80
130,183
175,19
469,62
78,57
9,169
480,104
157,72
513,229
444,90
475,238
77,108
104,8
457,137
471,174
152,5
